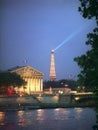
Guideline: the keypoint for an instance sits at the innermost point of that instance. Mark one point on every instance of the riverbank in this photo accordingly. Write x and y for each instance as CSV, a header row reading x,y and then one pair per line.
x,y
28,102
16,107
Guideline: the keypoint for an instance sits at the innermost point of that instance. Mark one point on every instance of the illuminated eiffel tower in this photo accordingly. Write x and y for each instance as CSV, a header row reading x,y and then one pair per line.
x,y
52,76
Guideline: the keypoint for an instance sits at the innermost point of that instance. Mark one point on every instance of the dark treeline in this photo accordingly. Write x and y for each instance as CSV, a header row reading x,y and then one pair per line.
x,y
64,83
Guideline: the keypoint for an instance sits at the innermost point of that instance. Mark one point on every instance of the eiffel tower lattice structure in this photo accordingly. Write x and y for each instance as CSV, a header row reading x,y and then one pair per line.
x,y
52,76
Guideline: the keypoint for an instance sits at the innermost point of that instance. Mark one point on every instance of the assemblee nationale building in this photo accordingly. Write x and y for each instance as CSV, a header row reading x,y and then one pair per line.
x,y
33,77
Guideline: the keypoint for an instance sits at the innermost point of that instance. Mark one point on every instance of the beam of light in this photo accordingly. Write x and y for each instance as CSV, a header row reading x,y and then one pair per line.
x,y
70,37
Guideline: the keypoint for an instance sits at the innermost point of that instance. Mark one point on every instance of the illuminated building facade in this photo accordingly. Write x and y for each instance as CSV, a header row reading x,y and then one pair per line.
x,y
33,77
52,76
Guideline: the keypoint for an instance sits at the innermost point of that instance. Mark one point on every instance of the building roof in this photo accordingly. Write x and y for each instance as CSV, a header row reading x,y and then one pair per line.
x,y
18,68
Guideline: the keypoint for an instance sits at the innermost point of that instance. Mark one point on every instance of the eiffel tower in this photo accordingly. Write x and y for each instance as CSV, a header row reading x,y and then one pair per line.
x,y
52,76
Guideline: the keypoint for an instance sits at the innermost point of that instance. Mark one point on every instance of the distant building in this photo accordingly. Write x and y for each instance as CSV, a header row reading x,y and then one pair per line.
x,y
33,77
57,90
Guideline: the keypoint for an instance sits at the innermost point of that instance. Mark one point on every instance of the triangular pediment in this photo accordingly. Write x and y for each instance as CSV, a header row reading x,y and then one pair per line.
x,y
27,70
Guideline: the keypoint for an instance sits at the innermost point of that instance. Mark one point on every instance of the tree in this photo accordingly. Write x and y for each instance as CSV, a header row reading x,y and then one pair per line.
x,y
63,83
88,62
89,9
11,79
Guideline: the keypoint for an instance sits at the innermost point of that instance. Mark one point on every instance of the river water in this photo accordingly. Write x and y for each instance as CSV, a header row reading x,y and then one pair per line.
x,y
49,119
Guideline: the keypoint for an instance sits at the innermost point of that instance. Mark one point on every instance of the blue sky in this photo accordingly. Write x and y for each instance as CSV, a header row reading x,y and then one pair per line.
x,y
30,29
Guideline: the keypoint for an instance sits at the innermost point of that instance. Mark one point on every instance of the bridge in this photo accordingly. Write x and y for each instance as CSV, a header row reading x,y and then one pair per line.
x,y
84,97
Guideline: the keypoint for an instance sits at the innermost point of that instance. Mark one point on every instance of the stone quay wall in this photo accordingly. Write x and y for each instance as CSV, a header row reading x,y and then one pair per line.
x,y
16,102
35,99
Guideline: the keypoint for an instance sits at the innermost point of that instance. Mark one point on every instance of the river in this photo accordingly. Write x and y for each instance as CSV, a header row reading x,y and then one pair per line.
x,y
49,119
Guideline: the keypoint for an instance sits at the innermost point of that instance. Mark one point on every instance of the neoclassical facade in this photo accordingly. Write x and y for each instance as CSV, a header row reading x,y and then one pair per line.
x,y
33,77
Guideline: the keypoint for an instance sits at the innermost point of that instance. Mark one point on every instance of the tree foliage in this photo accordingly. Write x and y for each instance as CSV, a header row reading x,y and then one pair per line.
x,y
89,9
88,62
10,79
63,83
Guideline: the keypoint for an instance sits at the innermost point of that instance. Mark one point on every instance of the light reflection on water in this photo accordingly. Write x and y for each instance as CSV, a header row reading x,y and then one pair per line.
x,y
2,117
21,120
49,119
61,114
78,113
40,115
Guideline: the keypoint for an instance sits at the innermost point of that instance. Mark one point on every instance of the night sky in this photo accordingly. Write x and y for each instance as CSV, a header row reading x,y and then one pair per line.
x,y
30,29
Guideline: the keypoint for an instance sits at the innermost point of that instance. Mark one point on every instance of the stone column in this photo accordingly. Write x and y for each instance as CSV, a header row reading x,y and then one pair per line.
x,y
34,83
41,85
31,84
